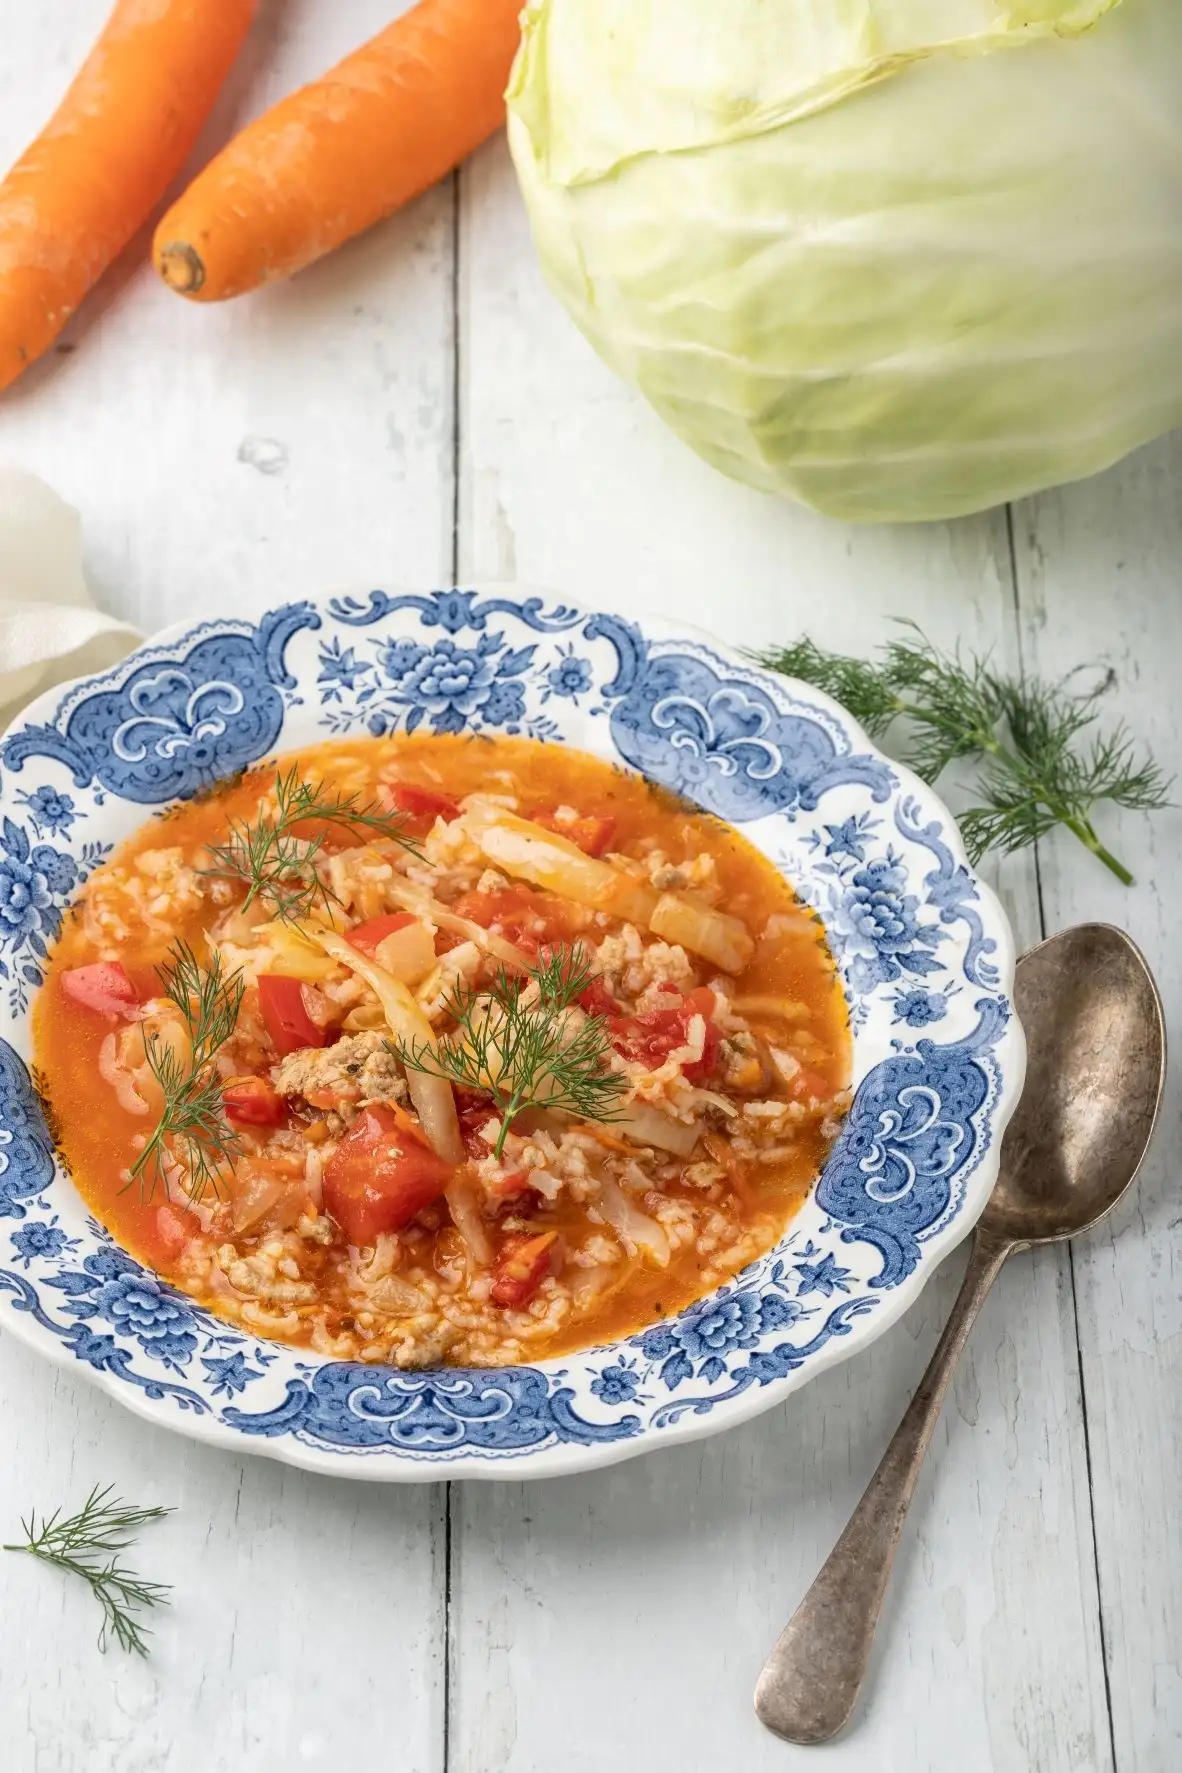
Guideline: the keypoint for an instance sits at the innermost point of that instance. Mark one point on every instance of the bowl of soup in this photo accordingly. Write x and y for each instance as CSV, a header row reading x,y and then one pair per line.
x,y
458,1033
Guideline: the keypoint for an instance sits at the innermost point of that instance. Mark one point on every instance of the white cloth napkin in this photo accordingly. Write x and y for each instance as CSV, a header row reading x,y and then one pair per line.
x,y
50,628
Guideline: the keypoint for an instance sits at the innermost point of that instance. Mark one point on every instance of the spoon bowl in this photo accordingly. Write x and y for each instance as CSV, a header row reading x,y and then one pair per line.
x,y
1096,1040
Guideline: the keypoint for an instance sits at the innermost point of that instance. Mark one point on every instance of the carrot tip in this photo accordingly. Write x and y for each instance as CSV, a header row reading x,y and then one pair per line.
x,y
180,266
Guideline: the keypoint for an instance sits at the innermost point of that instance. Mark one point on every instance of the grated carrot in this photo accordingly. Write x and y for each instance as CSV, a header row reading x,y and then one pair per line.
x,y
605,1138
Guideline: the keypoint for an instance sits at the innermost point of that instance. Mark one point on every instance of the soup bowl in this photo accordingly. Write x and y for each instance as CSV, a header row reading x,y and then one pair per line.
x,y
922,948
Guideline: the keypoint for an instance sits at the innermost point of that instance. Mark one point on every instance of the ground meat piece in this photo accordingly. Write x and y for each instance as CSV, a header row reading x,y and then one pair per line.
x,y
261,1277
356,1068
630,966
697,873
743,1070
702,1175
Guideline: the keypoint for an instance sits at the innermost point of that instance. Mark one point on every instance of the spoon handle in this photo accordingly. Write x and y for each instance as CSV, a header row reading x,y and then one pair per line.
x,y
811,1680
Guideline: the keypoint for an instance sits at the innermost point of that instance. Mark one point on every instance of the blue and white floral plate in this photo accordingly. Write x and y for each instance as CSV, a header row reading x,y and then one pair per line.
x,y
924,949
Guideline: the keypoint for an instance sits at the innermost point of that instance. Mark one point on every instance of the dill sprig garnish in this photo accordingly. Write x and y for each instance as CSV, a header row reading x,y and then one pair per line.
x,y
1042,762
515,1042
88,1544
192,1128
276,864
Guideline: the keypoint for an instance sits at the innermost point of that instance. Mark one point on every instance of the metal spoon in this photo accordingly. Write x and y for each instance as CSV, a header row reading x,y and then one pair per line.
x,y
1096,1037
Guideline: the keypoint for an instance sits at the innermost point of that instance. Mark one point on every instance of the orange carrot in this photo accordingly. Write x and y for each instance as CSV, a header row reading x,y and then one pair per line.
x,y
605,1138
337,156
93,176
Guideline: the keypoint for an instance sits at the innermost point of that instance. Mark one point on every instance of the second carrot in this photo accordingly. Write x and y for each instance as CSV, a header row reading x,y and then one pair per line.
x,y
386,123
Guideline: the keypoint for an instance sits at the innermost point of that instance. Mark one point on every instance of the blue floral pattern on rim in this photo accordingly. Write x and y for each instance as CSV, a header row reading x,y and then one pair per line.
x,y
922,949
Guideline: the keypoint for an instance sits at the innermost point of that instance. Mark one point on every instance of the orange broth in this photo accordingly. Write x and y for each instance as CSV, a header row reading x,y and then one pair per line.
x,y
95,1135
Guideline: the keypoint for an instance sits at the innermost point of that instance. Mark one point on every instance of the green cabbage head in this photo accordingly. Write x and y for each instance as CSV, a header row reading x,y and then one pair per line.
x,y
898,258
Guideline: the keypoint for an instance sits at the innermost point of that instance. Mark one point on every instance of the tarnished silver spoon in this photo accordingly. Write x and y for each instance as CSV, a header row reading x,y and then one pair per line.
x,y
1097,1061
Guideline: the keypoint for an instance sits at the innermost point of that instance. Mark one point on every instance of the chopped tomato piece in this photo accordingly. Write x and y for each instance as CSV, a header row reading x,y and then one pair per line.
x,y
104,986
174,1228
419,806
523,916
366,936
597,1000
252,1102
518,903
810,1085
379,1177
651,1036
510,1193
474,1112
523,1262
591,833
286,1014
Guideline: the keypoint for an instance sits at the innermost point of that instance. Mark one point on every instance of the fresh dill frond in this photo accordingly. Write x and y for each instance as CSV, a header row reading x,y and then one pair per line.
x,y
562,974
1043,763
860,686
953,701
208,998
88,1544
514,1041
275,863
192,1127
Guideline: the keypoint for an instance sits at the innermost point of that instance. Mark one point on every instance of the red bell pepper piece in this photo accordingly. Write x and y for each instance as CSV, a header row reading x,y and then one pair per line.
x,y
366,936
285,1014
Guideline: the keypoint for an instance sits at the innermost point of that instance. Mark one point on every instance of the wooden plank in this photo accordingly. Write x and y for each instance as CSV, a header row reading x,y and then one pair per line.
x,y
293,442
620,1619
299,1603
1100,573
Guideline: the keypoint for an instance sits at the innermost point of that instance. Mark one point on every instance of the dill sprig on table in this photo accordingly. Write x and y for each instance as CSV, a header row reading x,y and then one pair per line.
x,y
515,1044
1042,762
278,865
192,1126
88,1544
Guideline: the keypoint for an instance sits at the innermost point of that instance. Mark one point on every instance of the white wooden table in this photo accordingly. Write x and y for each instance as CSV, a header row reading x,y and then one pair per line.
x,y
418,410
